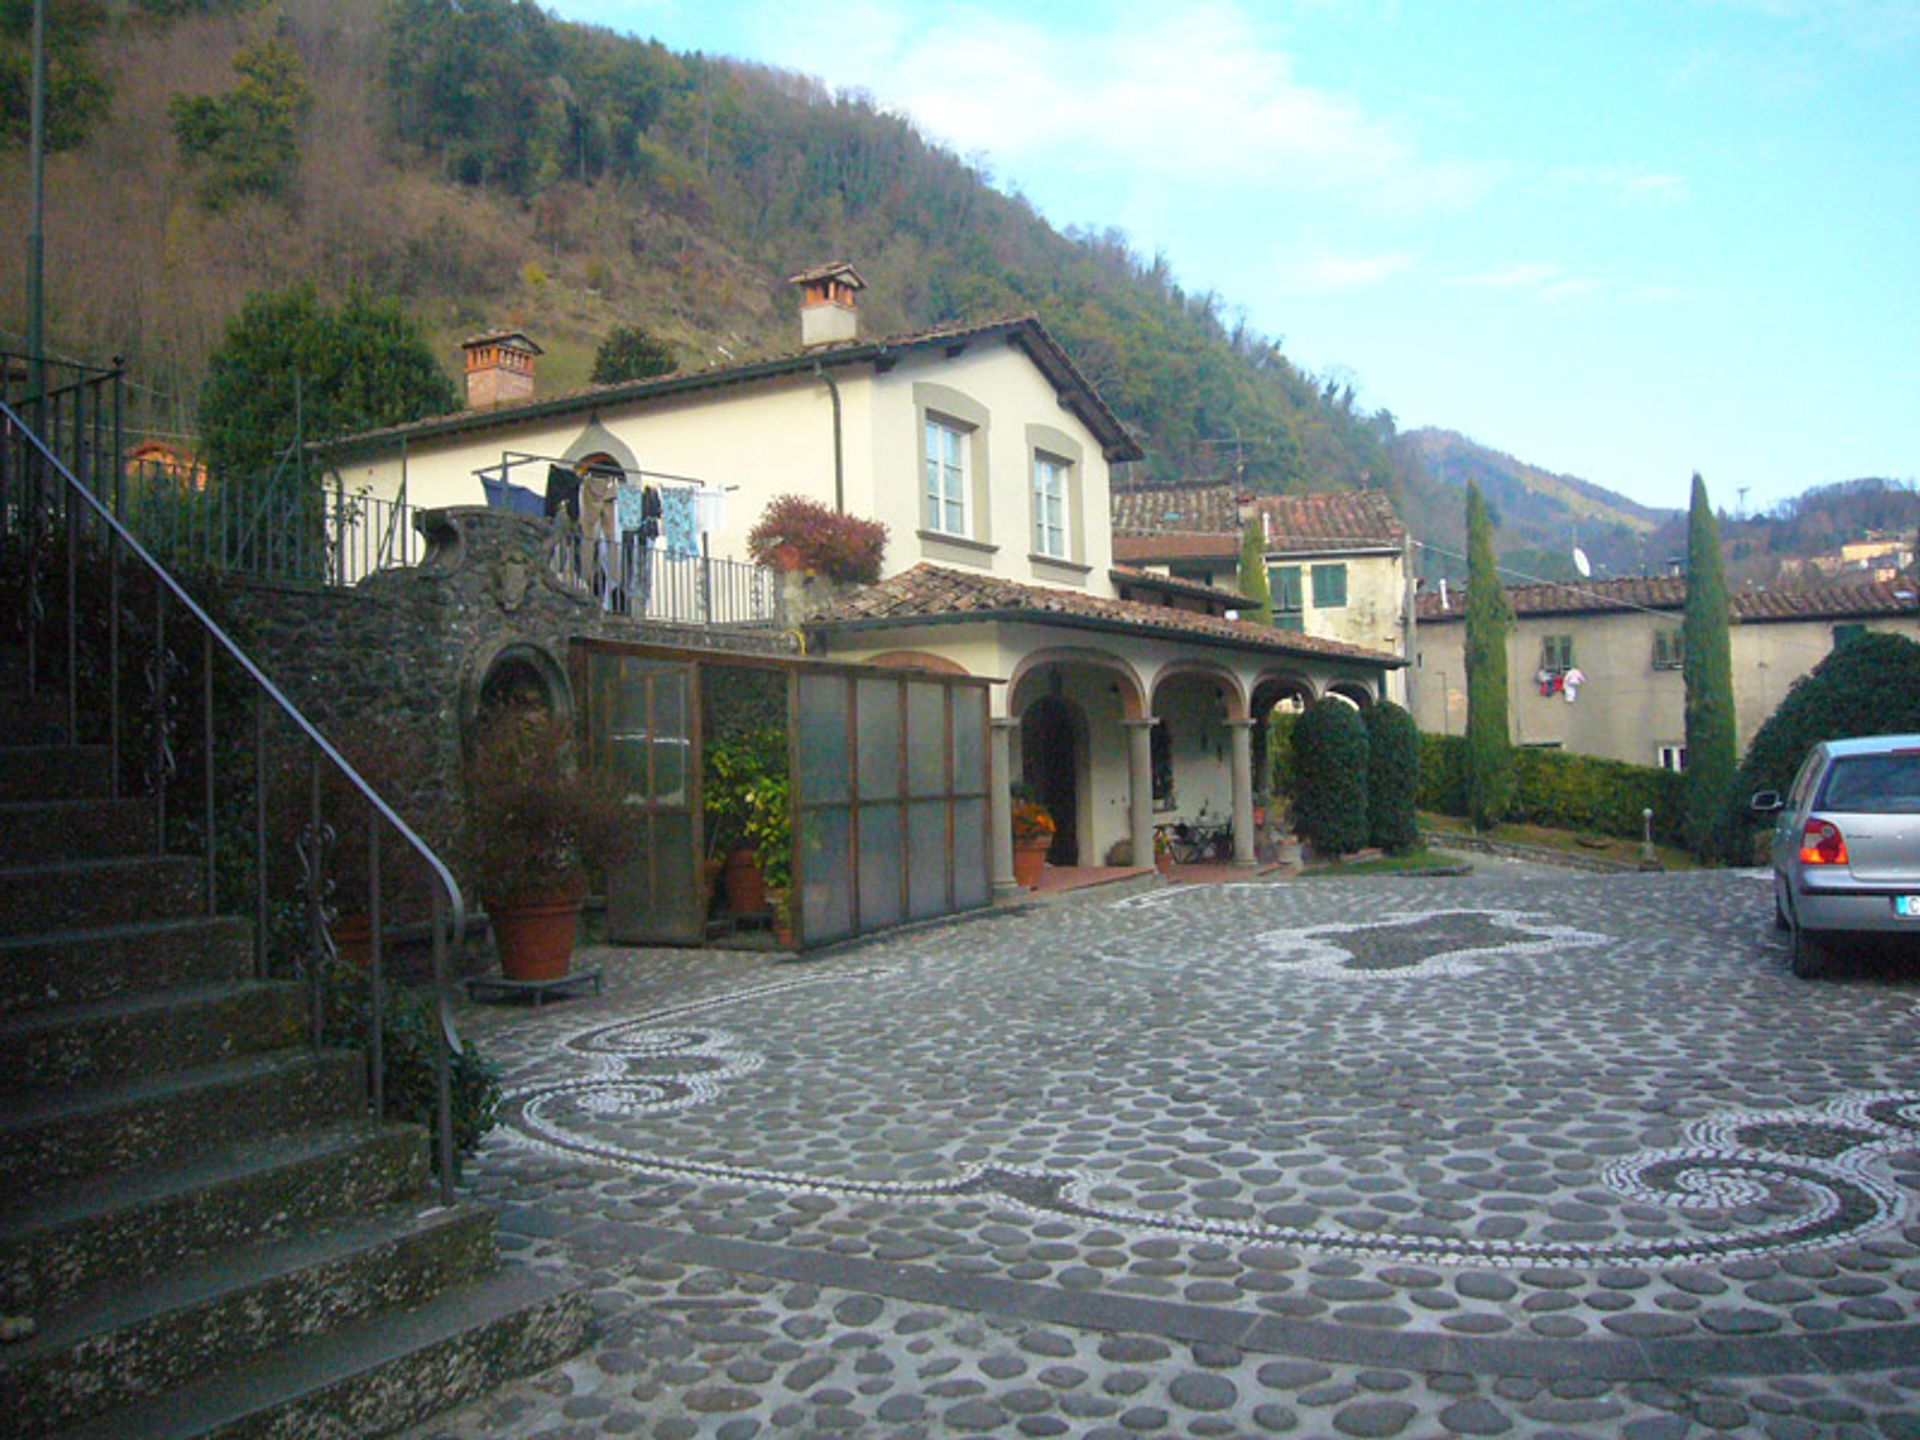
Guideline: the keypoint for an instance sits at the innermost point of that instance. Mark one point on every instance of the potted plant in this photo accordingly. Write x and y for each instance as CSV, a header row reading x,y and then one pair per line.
x,y
742,776
535,826
769,831
1033,830
1163,853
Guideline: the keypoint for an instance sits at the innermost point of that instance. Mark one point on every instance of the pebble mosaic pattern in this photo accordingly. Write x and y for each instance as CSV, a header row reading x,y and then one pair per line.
x,y
688,1352
1592,1109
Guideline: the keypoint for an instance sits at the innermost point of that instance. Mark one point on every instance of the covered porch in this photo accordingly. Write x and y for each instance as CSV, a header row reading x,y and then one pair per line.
x,y
1129,729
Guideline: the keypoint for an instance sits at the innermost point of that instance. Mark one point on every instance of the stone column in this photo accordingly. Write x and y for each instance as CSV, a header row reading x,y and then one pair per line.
x,y
1140,782
1242,791
1000,802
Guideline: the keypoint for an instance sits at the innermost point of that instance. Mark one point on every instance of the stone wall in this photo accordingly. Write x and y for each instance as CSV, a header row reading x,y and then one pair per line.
x,y
394,666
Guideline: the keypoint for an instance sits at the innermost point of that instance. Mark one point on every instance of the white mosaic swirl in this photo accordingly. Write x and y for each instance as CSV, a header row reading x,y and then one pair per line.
x,y
1714,1170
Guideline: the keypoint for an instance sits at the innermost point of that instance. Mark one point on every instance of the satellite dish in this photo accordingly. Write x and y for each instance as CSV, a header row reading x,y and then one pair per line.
x,y
1581,563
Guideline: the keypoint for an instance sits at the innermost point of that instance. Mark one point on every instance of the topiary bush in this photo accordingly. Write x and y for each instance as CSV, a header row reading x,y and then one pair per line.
x,y
1393,777
1870,685
1330,777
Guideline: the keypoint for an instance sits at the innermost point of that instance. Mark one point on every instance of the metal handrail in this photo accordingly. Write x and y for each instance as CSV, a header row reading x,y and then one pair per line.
x,y
211,629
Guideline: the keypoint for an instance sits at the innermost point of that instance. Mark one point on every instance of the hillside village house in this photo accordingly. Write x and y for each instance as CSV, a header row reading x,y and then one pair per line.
x,y
1337,563
1619,642
987,455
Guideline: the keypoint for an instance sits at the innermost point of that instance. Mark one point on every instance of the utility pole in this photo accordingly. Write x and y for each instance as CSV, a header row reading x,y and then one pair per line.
x,y
36,227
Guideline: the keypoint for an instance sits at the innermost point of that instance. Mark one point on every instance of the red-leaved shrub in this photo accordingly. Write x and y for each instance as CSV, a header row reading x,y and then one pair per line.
x,y
795,533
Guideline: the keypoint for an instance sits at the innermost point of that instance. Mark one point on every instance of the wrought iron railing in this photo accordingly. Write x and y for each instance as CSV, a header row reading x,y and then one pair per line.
x,y
652,583
97,612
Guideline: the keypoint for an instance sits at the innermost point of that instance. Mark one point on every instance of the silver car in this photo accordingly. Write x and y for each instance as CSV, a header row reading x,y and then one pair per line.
x,y
1846,845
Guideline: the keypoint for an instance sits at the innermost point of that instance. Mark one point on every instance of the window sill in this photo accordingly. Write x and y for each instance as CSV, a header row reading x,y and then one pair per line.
x,y
963,542
1055,562
956,549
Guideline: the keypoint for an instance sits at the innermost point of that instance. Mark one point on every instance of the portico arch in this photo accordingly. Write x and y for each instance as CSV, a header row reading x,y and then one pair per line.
x,y
918,660
1227,682
1355,692
1132,691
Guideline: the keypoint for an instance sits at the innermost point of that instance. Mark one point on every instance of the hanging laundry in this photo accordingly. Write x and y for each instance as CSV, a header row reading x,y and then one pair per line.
x,y
1571,683
563,492
710,510
630,506
677,521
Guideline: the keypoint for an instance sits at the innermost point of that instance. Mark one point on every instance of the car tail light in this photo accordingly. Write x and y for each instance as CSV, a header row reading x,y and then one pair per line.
x,y
1823,844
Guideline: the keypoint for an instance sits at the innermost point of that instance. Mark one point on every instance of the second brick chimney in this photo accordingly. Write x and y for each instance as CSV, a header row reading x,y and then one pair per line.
x,y
499,368
827,315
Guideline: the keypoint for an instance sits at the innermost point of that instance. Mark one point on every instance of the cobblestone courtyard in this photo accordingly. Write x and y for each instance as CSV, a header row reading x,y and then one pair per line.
x,y
1489,1156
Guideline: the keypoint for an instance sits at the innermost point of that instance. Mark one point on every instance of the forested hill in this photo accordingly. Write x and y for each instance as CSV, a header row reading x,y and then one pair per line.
x,y
488,164
1543,515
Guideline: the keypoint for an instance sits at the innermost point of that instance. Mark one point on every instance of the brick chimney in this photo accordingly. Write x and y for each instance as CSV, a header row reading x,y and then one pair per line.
x,y
827,314
499,368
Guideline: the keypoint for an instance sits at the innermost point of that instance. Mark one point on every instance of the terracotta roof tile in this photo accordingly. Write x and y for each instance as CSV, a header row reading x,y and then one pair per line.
x,y
928,592
1176,547
1669,592
1325,520
1133,575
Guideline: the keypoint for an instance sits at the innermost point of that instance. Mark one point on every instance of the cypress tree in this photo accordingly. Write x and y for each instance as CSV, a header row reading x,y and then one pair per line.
x,y
1393,779
1253,574
1711,752
1489,745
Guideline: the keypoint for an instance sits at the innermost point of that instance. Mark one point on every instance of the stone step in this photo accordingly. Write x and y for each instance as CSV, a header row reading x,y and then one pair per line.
x,y
39,831
54,772
377,1377
125,1346
129,1226
103,1041
76,966
51,1141
75,894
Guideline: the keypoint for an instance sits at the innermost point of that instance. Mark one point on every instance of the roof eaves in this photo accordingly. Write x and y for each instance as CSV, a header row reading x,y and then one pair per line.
x,y
1057,366
1029,615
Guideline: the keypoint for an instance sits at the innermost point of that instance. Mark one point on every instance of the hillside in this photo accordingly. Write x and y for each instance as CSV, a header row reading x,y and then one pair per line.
x,y
1542,515
489,165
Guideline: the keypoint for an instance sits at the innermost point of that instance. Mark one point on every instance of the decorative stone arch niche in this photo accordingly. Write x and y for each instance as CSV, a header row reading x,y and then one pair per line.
x,y
510,675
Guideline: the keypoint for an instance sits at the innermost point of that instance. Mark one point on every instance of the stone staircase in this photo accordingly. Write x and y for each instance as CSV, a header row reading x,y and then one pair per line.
x,y
208,1233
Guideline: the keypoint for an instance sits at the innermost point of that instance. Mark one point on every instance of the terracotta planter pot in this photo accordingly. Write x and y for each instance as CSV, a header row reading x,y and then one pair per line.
x,y
1029,859
353,940
782,924
535,932
746,887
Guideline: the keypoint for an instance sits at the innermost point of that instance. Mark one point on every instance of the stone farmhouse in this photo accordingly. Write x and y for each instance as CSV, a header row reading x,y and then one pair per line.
x,y
1338,563
1619,640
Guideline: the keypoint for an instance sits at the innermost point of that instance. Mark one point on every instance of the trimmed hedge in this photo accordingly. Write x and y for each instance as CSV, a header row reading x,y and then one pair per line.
x,y
1330,777
1393,777
1564,790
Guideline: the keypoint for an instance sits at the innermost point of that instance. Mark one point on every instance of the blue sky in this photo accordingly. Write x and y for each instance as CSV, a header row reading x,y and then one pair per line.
x,y
1622,240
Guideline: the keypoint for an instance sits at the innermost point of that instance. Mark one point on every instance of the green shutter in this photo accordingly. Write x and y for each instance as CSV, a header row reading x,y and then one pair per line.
x,y
1329,586
1283,581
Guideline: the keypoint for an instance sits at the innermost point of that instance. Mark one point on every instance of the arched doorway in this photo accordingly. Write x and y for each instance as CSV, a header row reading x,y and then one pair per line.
x,y
1052,742
1353,692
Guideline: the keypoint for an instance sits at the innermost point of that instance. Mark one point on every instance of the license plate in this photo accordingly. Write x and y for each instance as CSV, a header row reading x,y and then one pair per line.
x,y
1907,905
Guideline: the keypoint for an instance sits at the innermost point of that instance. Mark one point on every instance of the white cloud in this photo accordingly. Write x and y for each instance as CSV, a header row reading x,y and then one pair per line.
x,y
1352,272
1523,275
1195,95
1635,187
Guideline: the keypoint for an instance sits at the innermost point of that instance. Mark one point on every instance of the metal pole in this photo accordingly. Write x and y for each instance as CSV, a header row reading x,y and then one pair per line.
x,y
37,202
